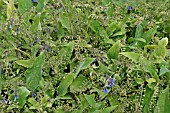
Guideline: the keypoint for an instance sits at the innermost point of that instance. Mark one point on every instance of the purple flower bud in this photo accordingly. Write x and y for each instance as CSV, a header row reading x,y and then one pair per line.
x,y
55,30
33,94
4,100
34,1
67,9
11,23
105,90
36,40
129,8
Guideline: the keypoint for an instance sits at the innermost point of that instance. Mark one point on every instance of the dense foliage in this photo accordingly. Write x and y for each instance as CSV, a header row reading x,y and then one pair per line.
x,y
78,56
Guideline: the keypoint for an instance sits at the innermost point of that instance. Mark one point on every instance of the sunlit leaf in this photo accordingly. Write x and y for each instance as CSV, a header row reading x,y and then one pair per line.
x,y
114,51
147,99
78,84
65,83
139,31
33,74
25,63
163,70
131,55
90,100
163,101
65,21
10,8
85,64
24,5
23,92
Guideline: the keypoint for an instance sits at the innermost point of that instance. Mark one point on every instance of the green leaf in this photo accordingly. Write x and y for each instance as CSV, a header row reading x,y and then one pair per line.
x,y
109,109
148,66
35,104
33,74
131,55
161,50
102,68
65,21
10,8
139,31
24,5
112,27
36,26
147,36
151,80
90,100
163,70
94,25
110,10
114,51
25,63
40,6
78,84
147,99
65,83
139,80
163,101
23,92
85,64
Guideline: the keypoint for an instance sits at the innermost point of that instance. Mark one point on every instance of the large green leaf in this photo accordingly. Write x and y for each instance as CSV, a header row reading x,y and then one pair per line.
x,y
36,26
139,31
163,101
114,51
63,57
147,36
24,5
90,100
148,66
94,25
78,84
33,74
85,64
133,56
147,99
23,92
35,104
40,6
163,70
65,21
161,50
65,83
109,109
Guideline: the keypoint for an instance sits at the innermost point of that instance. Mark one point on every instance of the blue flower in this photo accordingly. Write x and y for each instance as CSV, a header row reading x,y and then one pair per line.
x,y
4,100
46,47
33,94
10,26
36,40
111,82
34,1
11,23
67,9
19,30
16,97
105,90
129,8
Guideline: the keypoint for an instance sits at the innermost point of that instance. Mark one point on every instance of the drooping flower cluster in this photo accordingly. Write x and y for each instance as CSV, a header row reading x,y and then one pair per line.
x,y
110,83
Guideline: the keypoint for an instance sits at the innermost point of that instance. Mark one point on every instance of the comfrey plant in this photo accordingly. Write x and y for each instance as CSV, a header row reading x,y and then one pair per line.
x,y
109,83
